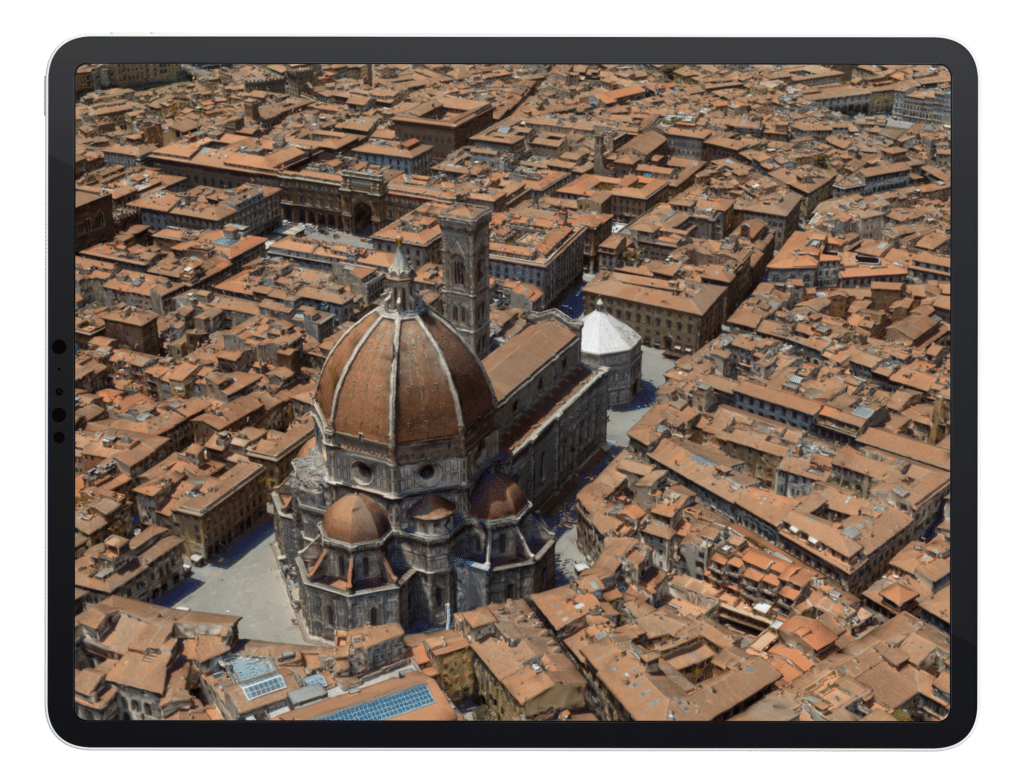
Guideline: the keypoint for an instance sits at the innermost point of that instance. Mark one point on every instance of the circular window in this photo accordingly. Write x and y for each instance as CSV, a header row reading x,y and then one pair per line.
x,y
362,472
429,474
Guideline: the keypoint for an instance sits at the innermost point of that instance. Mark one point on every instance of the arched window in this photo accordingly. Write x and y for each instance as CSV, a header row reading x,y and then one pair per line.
x,y
373,616
501,542
365,566
438,596
330,616
147,709
510,591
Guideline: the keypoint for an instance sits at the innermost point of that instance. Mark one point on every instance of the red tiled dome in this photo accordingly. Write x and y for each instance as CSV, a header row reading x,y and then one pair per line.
x,y
437,382
356,519
497,496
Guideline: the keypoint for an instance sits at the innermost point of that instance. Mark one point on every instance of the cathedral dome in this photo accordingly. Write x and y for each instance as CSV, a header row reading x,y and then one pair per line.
x,y
399,378
356,519
496,496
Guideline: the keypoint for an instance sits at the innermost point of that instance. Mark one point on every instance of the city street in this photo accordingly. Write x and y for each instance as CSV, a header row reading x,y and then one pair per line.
x,y
562,518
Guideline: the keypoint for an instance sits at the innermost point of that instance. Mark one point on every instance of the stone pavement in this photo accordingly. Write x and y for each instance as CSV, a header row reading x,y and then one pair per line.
x,y
653,367
567,555
246,581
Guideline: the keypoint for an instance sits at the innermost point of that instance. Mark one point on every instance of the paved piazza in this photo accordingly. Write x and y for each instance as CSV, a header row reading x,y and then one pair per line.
x,y
246,582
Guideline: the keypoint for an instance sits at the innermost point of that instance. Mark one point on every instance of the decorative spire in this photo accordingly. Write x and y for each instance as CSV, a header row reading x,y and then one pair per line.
x,y
400,264
401,296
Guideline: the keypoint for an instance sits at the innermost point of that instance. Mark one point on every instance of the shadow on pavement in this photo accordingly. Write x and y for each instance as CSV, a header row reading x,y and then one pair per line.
x,y
243,546
178,594
644,398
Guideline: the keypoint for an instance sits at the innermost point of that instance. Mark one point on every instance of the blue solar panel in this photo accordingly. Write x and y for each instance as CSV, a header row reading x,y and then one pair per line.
x,y
385,707
262,687
316,679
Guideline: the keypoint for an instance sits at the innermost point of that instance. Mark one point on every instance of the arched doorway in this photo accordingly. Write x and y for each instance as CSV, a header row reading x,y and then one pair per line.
x,y
362,219
666,343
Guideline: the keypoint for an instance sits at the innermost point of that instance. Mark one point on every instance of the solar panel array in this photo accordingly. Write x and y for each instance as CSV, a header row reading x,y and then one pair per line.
x,y
262,687
316,679
385,707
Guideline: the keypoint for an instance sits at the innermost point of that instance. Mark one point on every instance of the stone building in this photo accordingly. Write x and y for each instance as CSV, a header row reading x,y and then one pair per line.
x,y
608,342
465,236
398,494
446,123
94,219
405,511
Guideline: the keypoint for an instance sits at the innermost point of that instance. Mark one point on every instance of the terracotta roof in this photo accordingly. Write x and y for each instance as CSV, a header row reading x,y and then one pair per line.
x,y
432,507
899,594
812,631
355,519
495,497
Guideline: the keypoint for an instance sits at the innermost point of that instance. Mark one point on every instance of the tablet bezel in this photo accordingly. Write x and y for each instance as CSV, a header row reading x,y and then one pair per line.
x,y
60,101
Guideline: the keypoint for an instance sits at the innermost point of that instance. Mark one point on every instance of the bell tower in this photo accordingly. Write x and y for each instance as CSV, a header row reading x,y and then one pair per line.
x,y
465,298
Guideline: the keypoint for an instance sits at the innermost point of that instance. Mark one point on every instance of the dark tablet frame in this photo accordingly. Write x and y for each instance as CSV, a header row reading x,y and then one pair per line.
x,y
60,101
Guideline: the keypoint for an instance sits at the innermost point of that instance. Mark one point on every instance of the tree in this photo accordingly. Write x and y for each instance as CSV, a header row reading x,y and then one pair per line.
x,y
632,257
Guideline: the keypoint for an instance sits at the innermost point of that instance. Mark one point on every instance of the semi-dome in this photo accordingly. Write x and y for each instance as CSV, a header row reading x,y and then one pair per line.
x,y
356,519
605,334
404,377
431,508
496,496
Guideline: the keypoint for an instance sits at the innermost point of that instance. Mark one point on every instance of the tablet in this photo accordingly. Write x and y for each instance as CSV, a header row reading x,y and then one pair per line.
x,y
541,393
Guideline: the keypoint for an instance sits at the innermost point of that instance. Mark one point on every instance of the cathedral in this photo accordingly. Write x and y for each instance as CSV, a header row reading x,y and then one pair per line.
x,y
433,452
